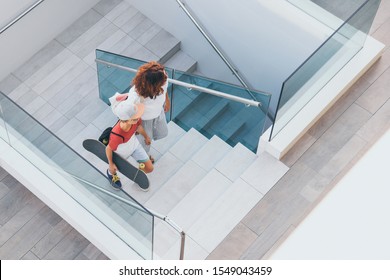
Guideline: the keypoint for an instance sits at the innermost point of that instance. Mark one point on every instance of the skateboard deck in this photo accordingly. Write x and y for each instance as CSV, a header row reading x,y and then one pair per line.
x,y
126,168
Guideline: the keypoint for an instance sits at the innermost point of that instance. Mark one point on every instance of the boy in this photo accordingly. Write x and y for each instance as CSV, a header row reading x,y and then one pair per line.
x,y
129,112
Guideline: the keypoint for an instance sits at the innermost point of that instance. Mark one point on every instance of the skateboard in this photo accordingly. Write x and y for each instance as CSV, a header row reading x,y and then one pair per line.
x,y
126,168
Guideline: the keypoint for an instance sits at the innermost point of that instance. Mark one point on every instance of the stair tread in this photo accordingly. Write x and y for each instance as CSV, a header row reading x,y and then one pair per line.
x,y
235,162
188,145
188,210
181,61
164,169
163,45
264,172
224,214
211,153
175,132
177,186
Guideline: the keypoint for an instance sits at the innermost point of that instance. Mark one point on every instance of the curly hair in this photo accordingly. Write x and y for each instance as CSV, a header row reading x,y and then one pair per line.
x,y
149,79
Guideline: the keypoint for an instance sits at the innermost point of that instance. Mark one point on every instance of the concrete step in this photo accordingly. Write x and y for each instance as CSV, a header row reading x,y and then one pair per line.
x,y
199,199
224,214
188,145
211,153
185,178
161,146
236,162
163,45
181,61
176,187
264,172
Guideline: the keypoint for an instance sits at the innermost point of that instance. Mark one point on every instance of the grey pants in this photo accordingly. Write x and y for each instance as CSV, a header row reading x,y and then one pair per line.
x,y
156,129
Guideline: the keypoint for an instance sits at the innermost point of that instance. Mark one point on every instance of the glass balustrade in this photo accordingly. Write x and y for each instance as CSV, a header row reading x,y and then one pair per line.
x,y
306,81
331,12
127,219
211,115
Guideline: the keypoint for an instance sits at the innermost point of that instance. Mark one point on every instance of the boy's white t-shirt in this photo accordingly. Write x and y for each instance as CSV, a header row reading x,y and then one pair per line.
x,y
153,107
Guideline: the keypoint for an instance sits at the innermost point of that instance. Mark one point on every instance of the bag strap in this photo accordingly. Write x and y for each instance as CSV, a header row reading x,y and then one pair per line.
x,y
123,138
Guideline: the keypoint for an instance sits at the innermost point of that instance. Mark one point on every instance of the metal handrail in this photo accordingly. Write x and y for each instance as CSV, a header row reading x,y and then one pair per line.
x,y
191,86
132,204
219,52
17,18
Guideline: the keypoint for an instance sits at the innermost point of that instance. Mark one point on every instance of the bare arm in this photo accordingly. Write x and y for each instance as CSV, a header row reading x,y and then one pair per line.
x,y
167,104
142,131
111,165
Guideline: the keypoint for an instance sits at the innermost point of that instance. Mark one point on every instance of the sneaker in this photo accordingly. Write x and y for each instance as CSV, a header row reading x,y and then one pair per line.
x,y
115,181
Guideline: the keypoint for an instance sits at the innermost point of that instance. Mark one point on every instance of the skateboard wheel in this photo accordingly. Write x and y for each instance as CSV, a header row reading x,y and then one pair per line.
x,y
141,165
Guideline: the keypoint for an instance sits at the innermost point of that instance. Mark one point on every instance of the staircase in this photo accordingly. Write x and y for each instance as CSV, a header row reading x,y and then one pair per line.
x,y
204,185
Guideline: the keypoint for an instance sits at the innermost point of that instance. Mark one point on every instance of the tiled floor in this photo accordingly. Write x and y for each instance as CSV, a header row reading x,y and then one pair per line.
x,y
317,163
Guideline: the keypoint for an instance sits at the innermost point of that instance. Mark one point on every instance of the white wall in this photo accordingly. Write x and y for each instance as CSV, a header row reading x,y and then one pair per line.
x,y
171,17
265,40
36,29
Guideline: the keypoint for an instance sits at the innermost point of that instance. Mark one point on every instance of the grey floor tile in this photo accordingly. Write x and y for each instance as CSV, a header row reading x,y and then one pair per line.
x,y
21,242
374,97
382,32
88,35
29,256
126,15
234,245
56,74
78,28
117,11
105,6
16,222
51,239
91,111
9,83
64,80
378,68
48,68
13,201
70,130
91,253
162,43
377,125
106,45
337,163
69,247
133,21
47,53
147,36
141,28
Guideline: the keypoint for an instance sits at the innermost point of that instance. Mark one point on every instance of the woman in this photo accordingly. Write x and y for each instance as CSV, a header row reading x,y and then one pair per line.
x,y
151,84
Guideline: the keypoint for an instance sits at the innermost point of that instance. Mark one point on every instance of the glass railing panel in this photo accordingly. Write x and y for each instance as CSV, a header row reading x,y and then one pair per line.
x,y
84,183
211,115
323,64
332,13
3,129
111,79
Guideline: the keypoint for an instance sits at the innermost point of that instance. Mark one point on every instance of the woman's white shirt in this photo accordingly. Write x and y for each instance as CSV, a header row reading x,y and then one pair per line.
x,y
153,107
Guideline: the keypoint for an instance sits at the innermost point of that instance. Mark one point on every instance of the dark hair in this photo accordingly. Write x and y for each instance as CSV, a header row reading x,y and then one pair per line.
x,y
149,79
